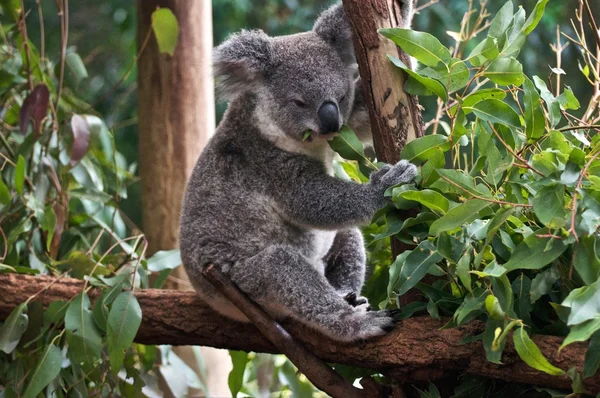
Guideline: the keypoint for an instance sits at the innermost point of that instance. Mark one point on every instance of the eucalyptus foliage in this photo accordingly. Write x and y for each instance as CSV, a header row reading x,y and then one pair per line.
x,y
508,195
61,182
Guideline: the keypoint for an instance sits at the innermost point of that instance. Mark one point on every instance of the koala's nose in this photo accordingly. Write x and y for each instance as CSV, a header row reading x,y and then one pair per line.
x,y
329,118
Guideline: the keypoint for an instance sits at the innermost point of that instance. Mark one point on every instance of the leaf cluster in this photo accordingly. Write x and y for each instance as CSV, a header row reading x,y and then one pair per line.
x,y
508,192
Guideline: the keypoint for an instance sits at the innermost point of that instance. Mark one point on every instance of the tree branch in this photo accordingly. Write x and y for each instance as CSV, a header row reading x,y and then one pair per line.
x,y
416,350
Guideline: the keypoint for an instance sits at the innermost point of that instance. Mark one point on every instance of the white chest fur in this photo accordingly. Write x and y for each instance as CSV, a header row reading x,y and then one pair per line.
x,y
322,242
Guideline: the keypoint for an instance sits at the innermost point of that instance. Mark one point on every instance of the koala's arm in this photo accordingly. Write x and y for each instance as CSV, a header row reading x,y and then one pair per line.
x,y
313,198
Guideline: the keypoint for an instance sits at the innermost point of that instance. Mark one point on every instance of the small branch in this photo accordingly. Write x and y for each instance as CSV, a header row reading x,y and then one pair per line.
x,y
584,127
512,152
500,202
592,22
321,375
23,30
63,11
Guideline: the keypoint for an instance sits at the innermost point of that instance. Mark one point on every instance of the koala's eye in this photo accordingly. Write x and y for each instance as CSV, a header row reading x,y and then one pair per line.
x,y
343,98
299,103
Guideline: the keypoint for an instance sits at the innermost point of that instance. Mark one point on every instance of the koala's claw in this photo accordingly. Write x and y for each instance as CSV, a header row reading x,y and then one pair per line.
x,y
402,172
357,301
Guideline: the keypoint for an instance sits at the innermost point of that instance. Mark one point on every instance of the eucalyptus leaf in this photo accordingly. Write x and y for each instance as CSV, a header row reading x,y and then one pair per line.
x,y
531,354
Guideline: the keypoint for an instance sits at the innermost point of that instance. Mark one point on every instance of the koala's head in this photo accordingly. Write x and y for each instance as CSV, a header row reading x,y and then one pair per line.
x,y
302,82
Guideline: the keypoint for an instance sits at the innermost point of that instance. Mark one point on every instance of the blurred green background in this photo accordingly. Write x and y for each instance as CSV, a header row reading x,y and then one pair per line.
x,y
103,32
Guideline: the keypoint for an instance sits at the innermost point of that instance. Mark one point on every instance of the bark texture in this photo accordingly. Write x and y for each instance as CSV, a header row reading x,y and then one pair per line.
x,y
395,115
416,350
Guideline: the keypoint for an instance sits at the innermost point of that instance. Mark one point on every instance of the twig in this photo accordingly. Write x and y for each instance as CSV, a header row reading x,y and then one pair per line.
x,y
500,202
42,34
574,201
321,375
127,73
512,152
592,22
584,127
63,10
5,244
23,30
428,4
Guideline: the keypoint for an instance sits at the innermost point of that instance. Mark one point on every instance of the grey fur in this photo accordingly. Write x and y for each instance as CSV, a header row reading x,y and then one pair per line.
x,y
262,204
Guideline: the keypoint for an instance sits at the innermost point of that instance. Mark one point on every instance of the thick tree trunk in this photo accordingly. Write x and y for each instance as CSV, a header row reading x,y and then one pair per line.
x,y
176,119
416,350
395,115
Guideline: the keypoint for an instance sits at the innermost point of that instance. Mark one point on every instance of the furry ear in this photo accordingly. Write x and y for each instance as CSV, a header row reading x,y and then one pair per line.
x,y
241,62
333,27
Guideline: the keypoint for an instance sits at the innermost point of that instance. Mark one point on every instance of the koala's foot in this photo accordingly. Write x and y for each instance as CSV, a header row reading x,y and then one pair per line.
x,y
283,282
364,325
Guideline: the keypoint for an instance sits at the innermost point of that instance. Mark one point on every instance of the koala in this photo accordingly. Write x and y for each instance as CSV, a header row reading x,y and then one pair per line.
x,y
262,204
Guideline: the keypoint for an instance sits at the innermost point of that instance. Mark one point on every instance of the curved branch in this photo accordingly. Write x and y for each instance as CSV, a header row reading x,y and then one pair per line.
x,y
416,350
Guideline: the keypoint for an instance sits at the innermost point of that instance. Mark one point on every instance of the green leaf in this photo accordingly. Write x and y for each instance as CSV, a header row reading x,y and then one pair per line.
x,y
549,205
347,144
416,265
493,353
585,259
124,319
486,50
535,122
288,375
535,17
496,111
499,219
395,269
20,174
470,304
478,96
581,332
239,360
432,85
421,149
492,306
505,71
592,357
4,193
454,77
47,369
424,47
552,103
458,216
164,259
542,283
531,354
461,183
501,21
166,30
83,336
534,252
568,100
584,303
75,68
13,328
431,199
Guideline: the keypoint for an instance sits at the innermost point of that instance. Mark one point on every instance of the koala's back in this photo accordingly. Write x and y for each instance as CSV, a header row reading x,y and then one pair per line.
x,y
228,212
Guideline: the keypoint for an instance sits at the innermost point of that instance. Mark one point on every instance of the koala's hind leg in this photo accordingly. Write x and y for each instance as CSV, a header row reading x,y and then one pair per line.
x,y
345,265
286,284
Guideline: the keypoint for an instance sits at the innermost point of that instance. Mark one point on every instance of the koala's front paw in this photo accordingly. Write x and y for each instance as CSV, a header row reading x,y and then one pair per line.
x,y
388,176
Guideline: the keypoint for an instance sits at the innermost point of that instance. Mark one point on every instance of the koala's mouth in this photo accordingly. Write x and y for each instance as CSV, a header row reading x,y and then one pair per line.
x,y
311,135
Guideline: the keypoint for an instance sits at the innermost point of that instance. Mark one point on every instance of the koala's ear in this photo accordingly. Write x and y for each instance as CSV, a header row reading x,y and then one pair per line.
x,y
241,62
333,27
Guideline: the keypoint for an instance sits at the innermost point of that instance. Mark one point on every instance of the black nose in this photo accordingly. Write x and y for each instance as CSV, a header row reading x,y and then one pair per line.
x,y
329,118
